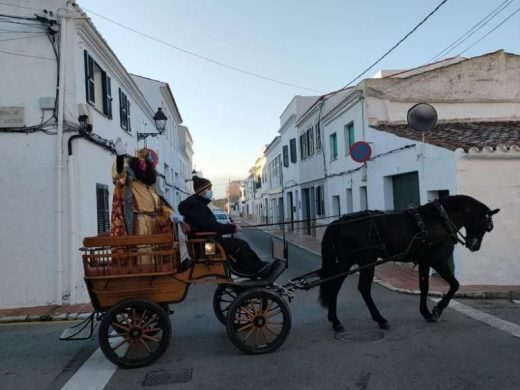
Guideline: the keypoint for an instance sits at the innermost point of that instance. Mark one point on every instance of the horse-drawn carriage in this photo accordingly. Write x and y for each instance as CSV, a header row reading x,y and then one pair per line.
x,y
132,279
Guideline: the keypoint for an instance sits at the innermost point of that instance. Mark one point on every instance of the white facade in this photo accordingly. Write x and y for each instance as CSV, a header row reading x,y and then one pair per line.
x,y
492,176
291,158
403,169
175,144
57,185
272,182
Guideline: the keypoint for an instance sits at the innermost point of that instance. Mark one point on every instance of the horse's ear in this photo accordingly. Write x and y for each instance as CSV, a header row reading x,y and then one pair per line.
x,y
493,212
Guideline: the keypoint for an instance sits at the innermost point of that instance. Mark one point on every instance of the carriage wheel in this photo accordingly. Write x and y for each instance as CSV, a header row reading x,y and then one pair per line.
x,y
224,295
258,321
134,333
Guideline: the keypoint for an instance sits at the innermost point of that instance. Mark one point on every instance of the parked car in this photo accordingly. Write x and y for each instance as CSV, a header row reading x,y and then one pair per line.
x,y
222,217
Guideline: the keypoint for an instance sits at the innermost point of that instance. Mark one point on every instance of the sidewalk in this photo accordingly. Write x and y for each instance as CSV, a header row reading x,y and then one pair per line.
x,y
394,276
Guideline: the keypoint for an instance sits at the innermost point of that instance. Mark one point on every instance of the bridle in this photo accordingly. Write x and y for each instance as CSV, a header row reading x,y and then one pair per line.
x,y
455,233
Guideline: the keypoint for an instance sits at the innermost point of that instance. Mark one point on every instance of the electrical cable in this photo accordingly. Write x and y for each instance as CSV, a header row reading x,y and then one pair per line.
x,y
397,44
20,6
27,55
472,30
14,39
191,53
496,27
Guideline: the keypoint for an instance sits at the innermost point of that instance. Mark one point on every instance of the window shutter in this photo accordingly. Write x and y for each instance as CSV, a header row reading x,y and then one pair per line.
x,y
285,156
103,215
89,78
318,136
293,149
128,122
107,96
310,141
122,110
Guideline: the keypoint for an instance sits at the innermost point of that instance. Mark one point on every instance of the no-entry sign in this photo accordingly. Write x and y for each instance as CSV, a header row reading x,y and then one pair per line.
x,y
360,151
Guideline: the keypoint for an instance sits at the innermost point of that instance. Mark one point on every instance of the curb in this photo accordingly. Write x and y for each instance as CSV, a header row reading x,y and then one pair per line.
x,y
44,318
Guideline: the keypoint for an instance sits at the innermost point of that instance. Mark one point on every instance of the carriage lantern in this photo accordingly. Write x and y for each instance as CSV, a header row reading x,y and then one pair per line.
x,y
210,248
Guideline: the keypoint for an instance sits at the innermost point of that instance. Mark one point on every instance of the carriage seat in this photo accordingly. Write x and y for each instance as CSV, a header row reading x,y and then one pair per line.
x,y
195,246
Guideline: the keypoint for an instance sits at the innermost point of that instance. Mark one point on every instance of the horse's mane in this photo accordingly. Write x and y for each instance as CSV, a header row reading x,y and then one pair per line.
x,y
459,202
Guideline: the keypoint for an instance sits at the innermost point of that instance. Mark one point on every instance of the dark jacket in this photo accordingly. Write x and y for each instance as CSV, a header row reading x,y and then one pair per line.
x,y
196,212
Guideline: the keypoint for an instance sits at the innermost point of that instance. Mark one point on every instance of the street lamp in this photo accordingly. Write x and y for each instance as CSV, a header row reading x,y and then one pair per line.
x,y
160,124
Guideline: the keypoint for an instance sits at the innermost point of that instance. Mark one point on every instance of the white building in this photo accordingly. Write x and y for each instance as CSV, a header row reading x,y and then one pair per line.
x,y
175,144
65,98
473,150
290,158
272,182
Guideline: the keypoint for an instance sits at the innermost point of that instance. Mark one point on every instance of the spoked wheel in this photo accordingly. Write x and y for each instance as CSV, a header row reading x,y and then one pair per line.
x,y
258,321
224,295
134,333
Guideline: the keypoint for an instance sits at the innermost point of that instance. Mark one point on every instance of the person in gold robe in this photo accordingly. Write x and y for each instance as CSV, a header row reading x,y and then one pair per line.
x,y
137,208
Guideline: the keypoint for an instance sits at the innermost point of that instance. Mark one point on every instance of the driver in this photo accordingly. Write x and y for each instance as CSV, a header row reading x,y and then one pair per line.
x,y
243,261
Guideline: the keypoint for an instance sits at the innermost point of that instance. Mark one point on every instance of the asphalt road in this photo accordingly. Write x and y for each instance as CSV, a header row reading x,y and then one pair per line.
x,y
459,352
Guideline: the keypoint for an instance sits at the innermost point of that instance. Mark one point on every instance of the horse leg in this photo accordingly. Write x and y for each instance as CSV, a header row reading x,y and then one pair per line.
x,y
365,288
445,272
329,297
424,285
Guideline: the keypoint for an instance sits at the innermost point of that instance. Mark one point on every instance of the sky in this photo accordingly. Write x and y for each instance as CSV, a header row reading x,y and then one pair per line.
x,y
208,51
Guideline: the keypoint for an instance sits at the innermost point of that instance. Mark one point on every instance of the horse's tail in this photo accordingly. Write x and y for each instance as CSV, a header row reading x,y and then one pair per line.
x,y
328,264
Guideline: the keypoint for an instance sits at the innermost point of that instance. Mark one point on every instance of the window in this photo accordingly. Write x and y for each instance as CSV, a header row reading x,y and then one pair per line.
x,y
292,144
103,215
285,156
350,201
333,141
320,209
124,111
349,137
318,136
98,86
310,141
303,146
363,198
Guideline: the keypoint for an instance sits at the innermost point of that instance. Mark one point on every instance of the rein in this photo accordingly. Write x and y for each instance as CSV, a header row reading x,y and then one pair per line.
x,y
455,233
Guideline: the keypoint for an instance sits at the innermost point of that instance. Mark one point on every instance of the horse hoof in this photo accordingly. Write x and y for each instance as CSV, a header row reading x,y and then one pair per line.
x,y
436,313
384,325
338,328
431,319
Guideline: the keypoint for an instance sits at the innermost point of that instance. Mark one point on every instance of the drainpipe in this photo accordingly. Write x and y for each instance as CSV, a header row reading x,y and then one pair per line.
x,y
72,219
59,164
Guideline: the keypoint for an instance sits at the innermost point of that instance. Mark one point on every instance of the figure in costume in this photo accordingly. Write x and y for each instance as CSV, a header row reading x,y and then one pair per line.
x,y
136,206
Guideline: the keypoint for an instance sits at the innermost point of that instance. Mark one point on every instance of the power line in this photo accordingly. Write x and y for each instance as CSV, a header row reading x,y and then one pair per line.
x,y
14,39
497,26
204,57
397,44
20,6
472,30
26,55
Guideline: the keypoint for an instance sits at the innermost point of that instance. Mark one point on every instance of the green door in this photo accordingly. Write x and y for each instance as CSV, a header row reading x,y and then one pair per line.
x,y
406,190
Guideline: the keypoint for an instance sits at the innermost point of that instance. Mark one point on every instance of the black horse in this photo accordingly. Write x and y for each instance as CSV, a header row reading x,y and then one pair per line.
x,y
425,235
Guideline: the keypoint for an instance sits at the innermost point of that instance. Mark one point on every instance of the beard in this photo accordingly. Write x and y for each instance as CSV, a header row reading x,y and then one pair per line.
x,y
148,176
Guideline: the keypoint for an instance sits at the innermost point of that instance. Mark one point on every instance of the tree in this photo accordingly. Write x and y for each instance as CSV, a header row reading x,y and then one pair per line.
x,y
233,191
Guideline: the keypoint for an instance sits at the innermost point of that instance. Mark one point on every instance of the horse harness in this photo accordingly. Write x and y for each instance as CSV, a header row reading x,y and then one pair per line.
x,y
454,233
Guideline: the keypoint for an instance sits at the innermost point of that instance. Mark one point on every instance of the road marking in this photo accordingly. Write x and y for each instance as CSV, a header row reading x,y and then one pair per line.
x,y
94,373
489,319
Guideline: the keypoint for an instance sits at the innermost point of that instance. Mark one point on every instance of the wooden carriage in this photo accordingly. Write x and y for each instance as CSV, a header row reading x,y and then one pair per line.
x,y
131,280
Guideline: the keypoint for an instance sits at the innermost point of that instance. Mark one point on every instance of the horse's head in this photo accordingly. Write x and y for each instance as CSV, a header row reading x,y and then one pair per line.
x,y
478,223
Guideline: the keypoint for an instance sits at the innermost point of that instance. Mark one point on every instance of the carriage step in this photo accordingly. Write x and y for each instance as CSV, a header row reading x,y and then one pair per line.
x,y
81,331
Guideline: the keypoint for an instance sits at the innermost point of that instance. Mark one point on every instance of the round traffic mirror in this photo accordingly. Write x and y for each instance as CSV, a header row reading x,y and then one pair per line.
x,y
422,117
